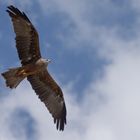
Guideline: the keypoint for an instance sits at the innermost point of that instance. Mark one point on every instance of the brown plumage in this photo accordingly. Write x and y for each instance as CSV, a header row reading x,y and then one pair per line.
x,y
34,68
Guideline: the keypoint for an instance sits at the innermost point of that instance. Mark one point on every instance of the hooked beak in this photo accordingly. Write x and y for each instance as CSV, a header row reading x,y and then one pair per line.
x,y
48,60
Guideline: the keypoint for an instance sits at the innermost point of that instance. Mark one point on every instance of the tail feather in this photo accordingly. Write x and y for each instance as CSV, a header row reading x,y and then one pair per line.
x,y
12,78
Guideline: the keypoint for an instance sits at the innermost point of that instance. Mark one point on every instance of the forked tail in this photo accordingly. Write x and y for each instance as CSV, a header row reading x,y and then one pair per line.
x,y
13,77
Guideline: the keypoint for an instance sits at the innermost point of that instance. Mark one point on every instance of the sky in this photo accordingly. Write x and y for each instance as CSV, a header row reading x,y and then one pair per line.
x,y
94,47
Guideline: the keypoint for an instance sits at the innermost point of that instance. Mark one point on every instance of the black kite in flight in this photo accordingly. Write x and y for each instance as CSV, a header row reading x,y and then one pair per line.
x,y
34,67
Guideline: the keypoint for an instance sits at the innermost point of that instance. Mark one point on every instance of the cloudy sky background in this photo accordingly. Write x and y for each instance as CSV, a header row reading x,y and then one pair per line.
x,y
95,51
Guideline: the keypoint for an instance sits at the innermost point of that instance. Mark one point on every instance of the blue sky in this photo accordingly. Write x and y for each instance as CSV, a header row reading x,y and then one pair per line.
x,y
94,48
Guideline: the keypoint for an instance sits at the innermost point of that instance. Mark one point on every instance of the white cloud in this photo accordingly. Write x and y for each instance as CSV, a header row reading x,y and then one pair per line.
x,y
120,88
84,17
76,12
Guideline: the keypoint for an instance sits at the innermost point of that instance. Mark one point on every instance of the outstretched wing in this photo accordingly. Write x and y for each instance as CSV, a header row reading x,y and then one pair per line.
x,y
27,41
51,94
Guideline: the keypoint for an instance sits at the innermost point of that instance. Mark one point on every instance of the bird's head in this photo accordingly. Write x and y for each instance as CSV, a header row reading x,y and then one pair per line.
x,y
43,62
48,61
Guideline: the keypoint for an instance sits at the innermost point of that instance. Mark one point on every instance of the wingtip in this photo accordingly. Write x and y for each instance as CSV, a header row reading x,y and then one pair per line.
x,y
13,11
61,122
60,125
11,8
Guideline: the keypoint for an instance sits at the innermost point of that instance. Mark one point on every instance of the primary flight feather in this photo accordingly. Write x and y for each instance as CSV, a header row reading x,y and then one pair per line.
x,y
34,67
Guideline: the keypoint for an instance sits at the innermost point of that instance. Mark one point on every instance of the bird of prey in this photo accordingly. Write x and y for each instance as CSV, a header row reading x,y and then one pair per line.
x,y
34,68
